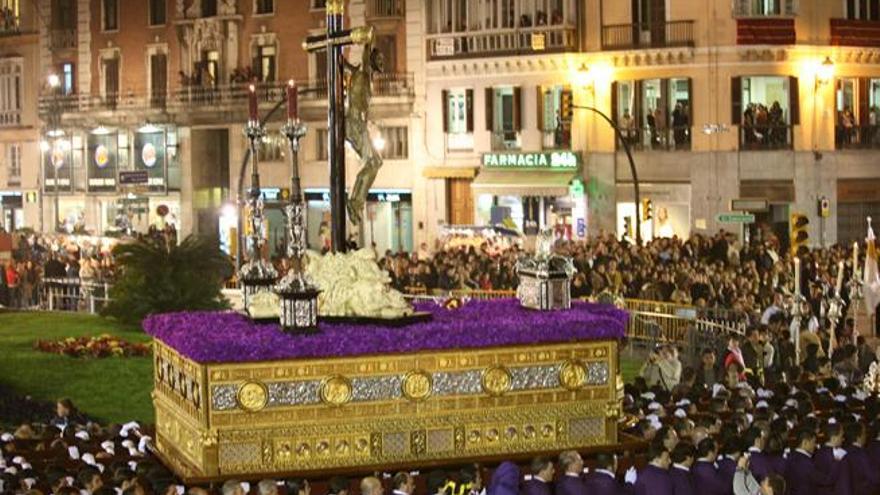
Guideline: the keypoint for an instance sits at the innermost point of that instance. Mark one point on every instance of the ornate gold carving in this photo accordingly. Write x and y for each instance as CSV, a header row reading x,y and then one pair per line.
x,y
497,380
418,442
497,421
336,390
335,7
417,385
362,35
572,375
253,396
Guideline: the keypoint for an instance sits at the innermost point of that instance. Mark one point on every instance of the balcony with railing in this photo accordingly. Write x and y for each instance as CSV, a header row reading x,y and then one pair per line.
x,y
10,25
557,139
506,140
674,138
62,39
9,118
657,35
497,42
385,9
766,137
765,31
855,32
216,98
863,137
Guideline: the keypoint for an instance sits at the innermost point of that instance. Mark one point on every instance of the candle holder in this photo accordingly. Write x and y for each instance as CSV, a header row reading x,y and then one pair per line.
x,y
299,296
257,275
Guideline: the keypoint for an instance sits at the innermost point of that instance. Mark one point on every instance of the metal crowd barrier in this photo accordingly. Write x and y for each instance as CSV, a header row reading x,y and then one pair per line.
x,y
73,294
651,322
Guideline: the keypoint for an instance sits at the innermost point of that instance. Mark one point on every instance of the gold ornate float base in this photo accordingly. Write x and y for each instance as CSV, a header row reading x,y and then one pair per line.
x,y
320,416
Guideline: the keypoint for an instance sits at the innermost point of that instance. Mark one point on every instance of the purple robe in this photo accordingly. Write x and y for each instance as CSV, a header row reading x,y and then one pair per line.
x,y
570,485
837,472
873,449
597,483
759,465
708,479
802,477
653,480
863,473
726,470
682,481
505,480
535,487
777,464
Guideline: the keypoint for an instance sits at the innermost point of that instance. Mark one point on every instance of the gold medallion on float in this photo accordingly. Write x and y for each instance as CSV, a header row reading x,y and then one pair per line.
x,y
497,380
417,385
336,390
253,396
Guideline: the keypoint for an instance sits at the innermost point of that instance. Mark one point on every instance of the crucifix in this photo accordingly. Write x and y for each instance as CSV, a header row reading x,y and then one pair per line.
x,y
338,128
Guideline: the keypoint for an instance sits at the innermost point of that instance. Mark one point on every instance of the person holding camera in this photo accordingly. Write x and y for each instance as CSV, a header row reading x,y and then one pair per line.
x,y
662,368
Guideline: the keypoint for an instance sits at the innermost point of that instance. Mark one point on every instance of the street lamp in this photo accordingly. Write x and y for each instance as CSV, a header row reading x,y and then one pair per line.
x,y
54,132
825,71
585,76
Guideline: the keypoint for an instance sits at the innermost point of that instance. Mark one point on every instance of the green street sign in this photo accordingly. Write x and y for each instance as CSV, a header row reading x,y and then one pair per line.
x,y
735,218
549,159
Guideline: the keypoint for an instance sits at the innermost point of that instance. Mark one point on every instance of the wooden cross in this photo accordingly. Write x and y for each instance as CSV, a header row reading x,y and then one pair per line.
x,y
335,39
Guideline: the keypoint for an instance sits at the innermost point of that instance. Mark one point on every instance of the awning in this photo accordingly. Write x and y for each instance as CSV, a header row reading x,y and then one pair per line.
x,y
523,182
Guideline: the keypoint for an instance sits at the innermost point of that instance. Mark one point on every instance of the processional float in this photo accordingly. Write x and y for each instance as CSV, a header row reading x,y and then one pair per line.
x,y
352,376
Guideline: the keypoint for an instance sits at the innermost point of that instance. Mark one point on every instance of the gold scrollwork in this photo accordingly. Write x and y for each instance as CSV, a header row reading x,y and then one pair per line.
x,y
417,385
497,380
572,375
336,390
335,7
253,396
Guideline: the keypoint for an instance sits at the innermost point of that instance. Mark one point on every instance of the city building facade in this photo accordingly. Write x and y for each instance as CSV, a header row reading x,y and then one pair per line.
x,y
770,101
19,122
160,88
489,110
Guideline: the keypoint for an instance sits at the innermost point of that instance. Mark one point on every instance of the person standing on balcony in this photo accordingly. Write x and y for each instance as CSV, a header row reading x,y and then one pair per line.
x,y
651,121
679,125
628,127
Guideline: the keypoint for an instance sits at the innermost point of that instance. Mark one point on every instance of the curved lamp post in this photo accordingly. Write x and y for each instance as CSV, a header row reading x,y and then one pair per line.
x,y
584,74
632,165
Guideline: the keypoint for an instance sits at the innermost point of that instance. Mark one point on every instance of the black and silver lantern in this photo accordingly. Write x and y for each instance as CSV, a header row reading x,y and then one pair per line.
x,y
545,278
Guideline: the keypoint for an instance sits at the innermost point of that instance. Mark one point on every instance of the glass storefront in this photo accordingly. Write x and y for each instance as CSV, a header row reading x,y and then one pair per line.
x,y
529,192
387,223
667,205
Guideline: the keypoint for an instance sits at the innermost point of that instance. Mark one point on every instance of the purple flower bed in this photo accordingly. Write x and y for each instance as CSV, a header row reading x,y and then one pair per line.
x,y
214,337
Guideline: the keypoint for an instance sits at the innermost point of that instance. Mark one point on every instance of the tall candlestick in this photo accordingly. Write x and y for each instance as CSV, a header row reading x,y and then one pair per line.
x,y
291,100
253,108
855,257
797,277
839,277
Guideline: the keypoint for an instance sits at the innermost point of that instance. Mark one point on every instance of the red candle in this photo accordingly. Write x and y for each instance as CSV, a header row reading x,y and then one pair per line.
x,y
253,109
291,100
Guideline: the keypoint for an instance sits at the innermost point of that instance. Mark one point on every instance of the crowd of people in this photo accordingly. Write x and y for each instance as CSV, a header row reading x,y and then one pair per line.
x,y
716,271
752,418
763,126
38,258
785,409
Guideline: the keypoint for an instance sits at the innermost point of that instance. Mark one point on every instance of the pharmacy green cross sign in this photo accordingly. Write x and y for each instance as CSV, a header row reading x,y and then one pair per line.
x,y
735,218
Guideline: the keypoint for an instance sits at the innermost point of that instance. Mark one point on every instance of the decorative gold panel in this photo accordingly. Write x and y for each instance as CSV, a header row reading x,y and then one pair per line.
x,y
305,416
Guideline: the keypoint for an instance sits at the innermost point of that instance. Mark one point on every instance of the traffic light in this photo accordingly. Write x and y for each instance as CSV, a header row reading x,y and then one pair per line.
x,y
565,105
647,209
824,207
799,235
627,227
